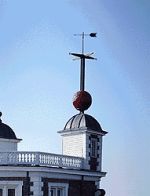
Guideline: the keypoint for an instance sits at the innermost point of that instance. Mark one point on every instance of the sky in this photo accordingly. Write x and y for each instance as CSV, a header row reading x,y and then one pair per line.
x,y
38,79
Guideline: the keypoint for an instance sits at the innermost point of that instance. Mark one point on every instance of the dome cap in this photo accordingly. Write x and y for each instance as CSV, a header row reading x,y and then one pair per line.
x,y
5,131
83,121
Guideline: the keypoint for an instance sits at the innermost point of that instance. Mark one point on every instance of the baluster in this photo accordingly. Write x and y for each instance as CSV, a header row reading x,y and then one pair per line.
x,y
27,158
23,158
32,158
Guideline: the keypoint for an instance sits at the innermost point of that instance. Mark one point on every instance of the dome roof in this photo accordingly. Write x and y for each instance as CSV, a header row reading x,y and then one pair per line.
x,y
82,121
5,131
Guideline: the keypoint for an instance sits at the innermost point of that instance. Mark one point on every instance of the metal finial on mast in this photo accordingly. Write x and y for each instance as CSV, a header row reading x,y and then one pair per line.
x,y
83,43
82,99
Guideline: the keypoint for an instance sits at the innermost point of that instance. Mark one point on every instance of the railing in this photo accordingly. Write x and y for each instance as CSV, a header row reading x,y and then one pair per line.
x,y
40,159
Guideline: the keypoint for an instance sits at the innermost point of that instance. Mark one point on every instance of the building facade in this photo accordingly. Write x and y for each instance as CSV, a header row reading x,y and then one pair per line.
x,y
76,172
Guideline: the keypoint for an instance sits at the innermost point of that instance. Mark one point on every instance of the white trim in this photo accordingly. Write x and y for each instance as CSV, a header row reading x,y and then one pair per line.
x,y
17,185
10,140
47,170
80,131
63,186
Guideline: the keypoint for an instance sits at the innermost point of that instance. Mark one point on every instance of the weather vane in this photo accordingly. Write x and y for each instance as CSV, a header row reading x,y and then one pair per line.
x,y
82,99
83,36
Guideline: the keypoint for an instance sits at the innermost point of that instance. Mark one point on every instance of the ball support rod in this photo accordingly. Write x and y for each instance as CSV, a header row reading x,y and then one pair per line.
x,y
82,74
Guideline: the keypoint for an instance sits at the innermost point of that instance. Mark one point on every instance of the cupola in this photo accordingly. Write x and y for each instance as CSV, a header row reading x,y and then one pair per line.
x,y
8,139
82,134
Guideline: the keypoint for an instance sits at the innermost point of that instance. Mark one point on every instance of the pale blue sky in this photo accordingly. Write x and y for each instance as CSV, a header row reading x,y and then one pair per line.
x,y
38,79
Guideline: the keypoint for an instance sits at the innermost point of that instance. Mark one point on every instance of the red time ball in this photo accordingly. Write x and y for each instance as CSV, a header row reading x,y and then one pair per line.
x,y
82,100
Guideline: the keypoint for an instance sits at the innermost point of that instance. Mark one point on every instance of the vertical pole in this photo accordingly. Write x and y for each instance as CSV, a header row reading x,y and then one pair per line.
x,y
83,43
82,68
82,74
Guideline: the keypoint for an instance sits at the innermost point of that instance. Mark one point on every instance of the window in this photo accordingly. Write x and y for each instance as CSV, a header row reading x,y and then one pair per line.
x,y
1,192
58,189
11,192
8,192
93,147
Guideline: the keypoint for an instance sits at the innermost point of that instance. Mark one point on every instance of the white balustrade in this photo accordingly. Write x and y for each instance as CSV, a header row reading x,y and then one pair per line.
x,y
40,159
